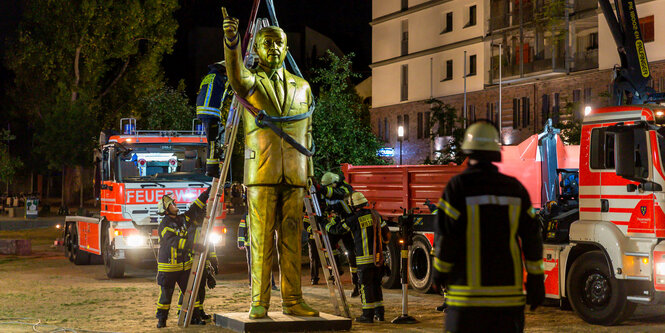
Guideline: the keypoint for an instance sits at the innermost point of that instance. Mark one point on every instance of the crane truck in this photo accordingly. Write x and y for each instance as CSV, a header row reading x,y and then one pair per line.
x,y
137,168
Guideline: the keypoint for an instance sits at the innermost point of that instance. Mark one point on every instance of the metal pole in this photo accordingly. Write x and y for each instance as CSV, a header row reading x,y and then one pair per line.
x,y
500,122
464,74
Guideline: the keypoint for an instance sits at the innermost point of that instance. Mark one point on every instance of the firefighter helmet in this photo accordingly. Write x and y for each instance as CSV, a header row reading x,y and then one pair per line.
x,y
329,178
163,205
357,199
481,142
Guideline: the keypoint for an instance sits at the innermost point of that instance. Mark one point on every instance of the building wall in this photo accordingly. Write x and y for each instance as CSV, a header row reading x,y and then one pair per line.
x,y
414,150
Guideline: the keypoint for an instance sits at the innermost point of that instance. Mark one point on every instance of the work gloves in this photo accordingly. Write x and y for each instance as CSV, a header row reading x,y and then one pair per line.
x,y
535,290
203,197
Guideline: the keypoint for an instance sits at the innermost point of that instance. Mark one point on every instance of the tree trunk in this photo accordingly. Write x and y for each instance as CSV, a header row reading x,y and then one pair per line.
x,y
63,204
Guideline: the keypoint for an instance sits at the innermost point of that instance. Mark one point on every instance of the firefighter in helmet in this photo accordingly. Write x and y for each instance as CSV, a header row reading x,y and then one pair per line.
x,y
482,269
175,244
370,233
335,192
212,103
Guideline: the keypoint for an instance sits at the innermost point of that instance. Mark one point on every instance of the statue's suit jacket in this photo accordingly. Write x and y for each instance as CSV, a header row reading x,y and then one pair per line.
x,y
269,159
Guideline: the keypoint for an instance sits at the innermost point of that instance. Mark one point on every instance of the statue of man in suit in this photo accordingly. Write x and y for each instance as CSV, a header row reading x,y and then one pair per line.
x,y
275,172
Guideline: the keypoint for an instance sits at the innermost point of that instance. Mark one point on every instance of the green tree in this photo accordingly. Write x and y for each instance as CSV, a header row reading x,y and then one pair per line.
x,y
570,123
8,164
81,65
444,122
167,109
341,131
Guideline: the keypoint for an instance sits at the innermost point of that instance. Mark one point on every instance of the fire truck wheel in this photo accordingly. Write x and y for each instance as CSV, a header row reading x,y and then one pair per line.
x,y
114,268
392,261
79,256
594,294
420,270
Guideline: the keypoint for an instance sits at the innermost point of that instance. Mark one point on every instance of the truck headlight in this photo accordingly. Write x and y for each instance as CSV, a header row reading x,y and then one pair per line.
x,y
214,238
135,240
660,268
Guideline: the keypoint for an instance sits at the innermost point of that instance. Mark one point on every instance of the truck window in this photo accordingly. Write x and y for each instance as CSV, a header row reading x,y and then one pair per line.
x,y
162,162
602,149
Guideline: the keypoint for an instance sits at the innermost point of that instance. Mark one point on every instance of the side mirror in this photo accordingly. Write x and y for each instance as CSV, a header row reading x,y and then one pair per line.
x,y
651,187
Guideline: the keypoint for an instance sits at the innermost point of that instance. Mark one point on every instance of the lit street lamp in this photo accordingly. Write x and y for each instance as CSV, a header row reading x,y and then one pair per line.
x,y
400,135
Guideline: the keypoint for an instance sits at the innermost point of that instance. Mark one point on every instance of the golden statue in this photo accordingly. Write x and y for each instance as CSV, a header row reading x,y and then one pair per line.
x,y
276,173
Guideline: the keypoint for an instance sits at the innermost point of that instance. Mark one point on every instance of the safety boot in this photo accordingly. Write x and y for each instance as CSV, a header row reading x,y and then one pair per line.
x,y
442,307
196,317
161,322
356,291
379,314
205,316
367,317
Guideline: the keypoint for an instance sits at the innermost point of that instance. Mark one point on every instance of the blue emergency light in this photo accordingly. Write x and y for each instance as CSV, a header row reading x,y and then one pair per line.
x,y
129,129
198,129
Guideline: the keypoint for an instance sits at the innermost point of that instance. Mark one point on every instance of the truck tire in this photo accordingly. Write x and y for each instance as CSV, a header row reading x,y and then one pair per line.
x,y
79,257
420,267
392,261
594,294
114,268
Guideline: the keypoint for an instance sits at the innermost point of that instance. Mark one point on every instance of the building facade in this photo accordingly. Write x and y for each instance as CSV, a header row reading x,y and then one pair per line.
x,y
553,59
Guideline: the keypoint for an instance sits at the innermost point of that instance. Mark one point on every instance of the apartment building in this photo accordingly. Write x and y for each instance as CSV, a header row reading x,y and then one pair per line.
x,y
425,49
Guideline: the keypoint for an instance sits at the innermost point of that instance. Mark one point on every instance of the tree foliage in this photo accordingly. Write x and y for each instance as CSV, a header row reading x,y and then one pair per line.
x,y
341,129
81,65
570,123
8,164
167,108
444,123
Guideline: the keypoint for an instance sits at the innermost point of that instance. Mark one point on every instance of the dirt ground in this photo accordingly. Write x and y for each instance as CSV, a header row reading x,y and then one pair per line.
x,y
46,289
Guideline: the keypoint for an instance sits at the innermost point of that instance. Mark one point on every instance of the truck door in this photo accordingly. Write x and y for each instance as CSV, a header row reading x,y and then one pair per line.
x,y
631,189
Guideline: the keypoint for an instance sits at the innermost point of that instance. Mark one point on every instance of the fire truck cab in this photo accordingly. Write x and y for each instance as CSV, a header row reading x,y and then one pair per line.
x,y
137,169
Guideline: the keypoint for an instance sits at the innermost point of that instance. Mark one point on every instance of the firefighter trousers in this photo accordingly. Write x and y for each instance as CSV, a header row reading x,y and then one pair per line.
x,y
314,260
350,246
371,295
496,319
167,282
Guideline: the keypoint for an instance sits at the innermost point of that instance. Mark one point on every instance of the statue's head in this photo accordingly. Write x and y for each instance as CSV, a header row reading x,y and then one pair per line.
x,y
270,45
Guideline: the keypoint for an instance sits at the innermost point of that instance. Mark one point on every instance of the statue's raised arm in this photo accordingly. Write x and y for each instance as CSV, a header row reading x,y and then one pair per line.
x,y
240,78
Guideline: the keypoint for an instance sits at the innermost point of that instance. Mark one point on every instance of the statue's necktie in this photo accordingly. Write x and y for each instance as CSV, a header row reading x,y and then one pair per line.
x,y
278,85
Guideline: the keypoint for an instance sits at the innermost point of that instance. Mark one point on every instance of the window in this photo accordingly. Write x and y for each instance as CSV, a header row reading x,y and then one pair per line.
x,y
587,95
448,23
448,75
576,95
593,41
421,131
555,109
526,112
405,4
405,83
472,17
602,149
406,127
379,127
427,125
489,112
471,113
545,111
386,130
405,37
516,113
472,65
646,27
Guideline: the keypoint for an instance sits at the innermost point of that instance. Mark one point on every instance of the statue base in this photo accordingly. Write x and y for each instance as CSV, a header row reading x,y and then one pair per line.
x,y
279,322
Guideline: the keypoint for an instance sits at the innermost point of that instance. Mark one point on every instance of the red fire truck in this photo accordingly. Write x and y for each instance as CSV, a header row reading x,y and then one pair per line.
x,y
137,169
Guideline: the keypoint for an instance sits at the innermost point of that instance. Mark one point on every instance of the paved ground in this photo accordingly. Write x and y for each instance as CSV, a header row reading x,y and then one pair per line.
x,y
46,288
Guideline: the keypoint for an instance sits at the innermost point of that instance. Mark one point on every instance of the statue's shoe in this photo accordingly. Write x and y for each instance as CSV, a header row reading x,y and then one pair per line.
x,y
300,309
257,312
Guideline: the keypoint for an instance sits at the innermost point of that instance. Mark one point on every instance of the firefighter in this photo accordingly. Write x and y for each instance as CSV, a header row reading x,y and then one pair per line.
x,y
314,260
335,193
485,220
208,279
243,244
212,104
370,233
175,244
